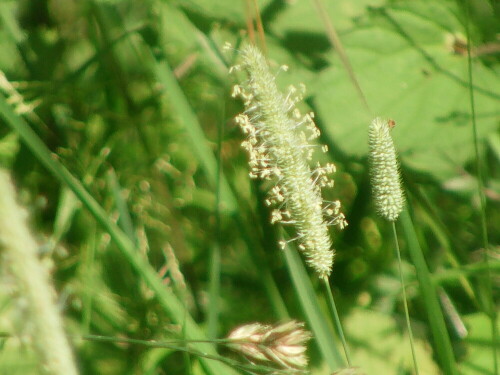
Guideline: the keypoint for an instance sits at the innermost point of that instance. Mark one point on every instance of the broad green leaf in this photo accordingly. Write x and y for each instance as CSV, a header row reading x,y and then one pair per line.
x,y
228,10
479,360
301,19
385,350
405,63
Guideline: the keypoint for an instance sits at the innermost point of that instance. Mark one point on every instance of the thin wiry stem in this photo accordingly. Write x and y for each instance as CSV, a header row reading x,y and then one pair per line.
x,y
405,300
338,324
482,199
183,346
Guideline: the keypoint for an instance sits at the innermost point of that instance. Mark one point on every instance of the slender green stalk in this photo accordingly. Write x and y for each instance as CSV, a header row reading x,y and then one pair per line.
x,y
491,310
186,354
336,319
88,270
20,253
215,252
388,195
405,300
214,291
308,300
442,343
183,346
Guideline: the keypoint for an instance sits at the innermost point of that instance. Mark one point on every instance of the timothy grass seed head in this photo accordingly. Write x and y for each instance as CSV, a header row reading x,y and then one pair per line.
x,y
279,145
384,170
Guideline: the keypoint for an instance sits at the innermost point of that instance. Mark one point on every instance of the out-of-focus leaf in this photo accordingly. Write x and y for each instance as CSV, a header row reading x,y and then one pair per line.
x,y
480,354
296,17
405,61
9,147
385,350
228,10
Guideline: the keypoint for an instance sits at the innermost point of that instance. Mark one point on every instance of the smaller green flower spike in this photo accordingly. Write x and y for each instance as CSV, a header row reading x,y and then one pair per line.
x,y
280,149
384,170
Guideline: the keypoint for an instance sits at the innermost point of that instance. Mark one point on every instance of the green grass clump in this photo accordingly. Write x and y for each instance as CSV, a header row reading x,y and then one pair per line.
x,y
117,126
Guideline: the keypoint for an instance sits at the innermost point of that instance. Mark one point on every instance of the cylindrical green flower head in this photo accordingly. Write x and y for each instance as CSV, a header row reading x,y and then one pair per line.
x,y
279,146
384,170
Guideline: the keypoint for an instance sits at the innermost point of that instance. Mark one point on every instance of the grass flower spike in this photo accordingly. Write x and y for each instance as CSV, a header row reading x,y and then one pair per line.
x,y
19,252
283,345
386,182
279,146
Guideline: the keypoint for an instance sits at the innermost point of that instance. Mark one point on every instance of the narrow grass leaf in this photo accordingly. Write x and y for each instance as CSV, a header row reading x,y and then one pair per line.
x,y
312,311
428,291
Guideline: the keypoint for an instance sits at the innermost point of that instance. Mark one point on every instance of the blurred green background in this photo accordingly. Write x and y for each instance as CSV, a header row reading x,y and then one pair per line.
x,y
133,98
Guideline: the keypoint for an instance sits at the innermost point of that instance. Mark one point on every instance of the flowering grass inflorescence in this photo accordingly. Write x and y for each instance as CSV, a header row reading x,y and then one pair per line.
x,y
279,146
384,170
283,344
19,252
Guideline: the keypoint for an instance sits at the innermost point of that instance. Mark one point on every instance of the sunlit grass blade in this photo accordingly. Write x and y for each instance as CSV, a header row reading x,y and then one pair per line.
x,y
312,311
444,350
169,302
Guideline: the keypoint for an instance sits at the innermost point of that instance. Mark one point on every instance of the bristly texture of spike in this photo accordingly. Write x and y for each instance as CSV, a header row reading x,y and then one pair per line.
x,y
384,171
279,146
283,345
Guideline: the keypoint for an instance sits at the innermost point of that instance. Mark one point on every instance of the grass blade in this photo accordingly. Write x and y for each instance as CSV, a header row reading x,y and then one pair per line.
x,y
308,300
428,291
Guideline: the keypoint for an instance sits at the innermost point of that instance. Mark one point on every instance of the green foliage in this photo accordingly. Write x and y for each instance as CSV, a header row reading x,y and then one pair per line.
x,y
413,50
116,122
385,349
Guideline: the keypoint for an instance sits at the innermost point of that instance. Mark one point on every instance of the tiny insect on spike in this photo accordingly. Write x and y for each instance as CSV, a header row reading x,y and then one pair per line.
x,y
391,123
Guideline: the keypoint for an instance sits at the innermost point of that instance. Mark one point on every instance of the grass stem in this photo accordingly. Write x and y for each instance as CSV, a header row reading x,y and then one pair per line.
x,y
338,324
486,281
405,300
